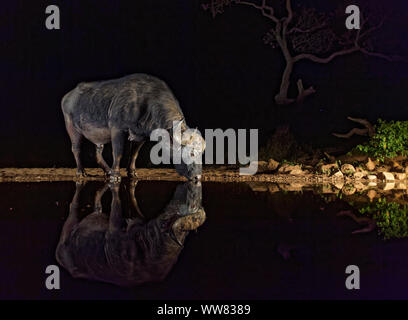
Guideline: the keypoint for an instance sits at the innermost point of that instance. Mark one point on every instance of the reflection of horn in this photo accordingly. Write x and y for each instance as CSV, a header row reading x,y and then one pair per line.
x,y
174,238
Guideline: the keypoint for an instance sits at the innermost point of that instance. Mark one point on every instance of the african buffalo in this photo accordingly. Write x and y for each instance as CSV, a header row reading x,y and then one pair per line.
x,y
132,106
128,252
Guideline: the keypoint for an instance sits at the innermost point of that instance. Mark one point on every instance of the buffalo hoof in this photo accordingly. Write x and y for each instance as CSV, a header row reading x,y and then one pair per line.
x,y
98,209
115,178
80,174
132,174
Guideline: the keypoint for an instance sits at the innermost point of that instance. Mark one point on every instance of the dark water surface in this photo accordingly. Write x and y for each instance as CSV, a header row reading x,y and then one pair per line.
x,y
252,245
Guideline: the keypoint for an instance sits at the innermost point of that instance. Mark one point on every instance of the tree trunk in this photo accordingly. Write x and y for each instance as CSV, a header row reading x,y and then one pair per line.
x,y
282,96
303,93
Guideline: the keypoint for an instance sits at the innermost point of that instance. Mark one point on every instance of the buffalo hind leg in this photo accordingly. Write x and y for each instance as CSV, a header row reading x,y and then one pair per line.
x,y
118,139
136,146
100,160
76,139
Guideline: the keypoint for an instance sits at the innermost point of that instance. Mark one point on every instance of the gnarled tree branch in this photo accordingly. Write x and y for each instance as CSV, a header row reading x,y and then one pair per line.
x,y
263,8
309,35
369,129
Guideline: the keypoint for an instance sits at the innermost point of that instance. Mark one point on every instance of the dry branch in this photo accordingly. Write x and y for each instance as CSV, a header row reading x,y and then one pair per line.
x,y
369,129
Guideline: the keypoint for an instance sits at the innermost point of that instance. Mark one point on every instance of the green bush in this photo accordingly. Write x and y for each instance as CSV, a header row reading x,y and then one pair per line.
x,y
389,141
391,218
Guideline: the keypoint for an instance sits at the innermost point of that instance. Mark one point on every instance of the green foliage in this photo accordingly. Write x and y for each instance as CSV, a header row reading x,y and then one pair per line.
x,y
391,218
389,141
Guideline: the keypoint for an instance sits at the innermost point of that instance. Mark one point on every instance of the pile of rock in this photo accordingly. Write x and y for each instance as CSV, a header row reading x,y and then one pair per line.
x,y
371,171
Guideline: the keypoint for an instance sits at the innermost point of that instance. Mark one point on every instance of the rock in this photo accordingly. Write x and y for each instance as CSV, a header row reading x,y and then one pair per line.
x,y
287,168
397,166
359,175
328,168
372,177
273,165
338,175
273,188
284,168
339,184
328,189
293,187
371,194
348,189
401,186
308,169
297,172
387,176
262,166
384,168
389,186
370,165
258,186
400,176
347,169
360,187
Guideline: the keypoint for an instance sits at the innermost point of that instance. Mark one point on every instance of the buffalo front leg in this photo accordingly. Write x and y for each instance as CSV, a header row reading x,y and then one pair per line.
x,y
136,146
118,139
100,160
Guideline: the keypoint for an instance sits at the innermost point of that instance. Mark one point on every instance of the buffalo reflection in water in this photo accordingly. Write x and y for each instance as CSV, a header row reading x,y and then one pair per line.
x,y
128,252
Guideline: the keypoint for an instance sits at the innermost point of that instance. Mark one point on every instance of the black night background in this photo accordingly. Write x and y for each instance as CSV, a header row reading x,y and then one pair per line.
x,y
262,239
219,69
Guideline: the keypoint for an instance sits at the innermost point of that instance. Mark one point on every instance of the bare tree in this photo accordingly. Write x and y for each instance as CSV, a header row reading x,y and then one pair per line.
x,y
306,34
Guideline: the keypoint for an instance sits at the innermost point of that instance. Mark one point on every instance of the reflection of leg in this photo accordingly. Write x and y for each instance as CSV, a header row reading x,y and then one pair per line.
x,y
72,219
133,200
136,146
98,197
63,252
116,219
99,158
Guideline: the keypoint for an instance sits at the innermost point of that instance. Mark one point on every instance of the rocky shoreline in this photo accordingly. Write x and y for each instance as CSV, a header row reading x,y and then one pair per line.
x,y
362,175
